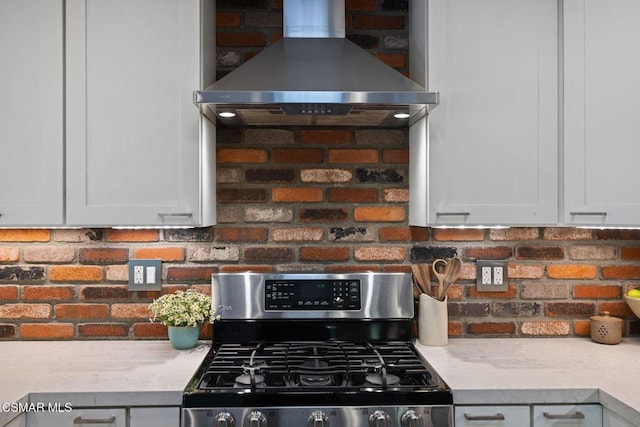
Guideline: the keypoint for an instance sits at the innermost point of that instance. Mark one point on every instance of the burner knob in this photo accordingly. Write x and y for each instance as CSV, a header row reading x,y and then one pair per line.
x,y
255,419
318,419
412,419
379,419
224,419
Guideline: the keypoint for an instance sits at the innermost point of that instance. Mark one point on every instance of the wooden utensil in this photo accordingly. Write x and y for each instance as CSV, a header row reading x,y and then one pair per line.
x,y
417,279
451,273
439,274
421,277
426,278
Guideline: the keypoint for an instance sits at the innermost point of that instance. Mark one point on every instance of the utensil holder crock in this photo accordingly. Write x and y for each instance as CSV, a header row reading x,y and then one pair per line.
x,y
433,321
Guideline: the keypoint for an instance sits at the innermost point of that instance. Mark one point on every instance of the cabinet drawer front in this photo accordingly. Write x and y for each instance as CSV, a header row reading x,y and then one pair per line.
x,y
78,418
567,415
502,416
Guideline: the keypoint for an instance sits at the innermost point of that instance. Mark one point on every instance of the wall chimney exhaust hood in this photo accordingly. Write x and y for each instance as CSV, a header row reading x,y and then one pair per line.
x,y
315,76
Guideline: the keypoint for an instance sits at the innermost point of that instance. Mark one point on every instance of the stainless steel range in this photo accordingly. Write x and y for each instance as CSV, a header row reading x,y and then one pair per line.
x,y
295,350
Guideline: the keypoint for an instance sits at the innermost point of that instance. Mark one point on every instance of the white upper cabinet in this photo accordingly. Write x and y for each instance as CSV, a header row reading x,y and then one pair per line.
x,y
97,121
31,112
492,156
138,152
601,112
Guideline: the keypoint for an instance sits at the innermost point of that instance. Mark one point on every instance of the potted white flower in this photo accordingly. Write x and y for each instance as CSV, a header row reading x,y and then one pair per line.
x,y
183,313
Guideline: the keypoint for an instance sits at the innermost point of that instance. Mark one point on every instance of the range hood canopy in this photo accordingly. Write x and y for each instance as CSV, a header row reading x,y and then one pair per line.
x,y
315,76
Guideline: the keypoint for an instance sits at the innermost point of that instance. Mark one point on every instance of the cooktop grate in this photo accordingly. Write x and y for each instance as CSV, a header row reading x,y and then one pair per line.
x,y
315,366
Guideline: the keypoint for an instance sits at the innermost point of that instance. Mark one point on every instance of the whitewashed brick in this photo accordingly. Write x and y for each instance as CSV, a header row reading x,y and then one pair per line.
x,y
52,254
326,175
268,215
224,253
297,234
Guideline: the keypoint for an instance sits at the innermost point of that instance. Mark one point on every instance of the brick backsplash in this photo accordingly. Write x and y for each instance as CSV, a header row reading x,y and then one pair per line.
x,y
305,199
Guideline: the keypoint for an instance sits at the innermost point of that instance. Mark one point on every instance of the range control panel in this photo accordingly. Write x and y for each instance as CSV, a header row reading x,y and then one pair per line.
x,y
312,295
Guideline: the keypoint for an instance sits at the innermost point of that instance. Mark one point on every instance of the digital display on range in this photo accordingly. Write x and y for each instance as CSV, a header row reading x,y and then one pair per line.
x,y
313,291
312,295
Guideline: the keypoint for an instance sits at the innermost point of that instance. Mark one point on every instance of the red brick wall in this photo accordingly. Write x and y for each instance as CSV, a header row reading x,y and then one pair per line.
x,y
71,284
312,200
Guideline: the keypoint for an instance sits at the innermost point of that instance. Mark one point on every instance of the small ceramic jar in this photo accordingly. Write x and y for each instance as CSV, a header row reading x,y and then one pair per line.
x,y
606,329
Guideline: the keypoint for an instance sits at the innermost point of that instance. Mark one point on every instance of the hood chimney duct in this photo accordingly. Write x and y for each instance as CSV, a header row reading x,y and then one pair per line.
x,y
313,18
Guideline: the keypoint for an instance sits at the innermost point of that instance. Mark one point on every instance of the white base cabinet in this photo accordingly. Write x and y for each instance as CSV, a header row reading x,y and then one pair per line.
x,y
20,421
567,416
113,417
481,416
154,417
611,419
588,415
79,418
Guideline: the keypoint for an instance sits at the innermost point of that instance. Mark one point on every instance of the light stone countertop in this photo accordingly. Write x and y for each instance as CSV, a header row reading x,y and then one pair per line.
x,y
479,371
541,370
95,373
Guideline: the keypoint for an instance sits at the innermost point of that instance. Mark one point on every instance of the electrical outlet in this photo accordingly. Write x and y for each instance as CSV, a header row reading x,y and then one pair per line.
x,y
491,276
486,275
497,275
145,275
138,275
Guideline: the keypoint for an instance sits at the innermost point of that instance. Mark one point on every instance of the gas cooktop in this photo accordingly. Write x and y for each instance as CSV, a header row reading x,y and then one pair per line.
x,y
241,374
274,367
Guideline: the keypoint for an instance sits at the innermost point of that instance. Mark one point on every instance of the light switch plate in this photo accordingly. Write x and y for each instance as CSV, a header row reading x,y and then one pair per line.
x,y
145,275
492,276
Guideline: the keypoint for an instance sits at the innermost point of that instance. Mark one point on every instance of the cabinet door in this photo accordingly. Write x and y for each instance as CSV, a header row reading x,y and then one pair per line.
x,y
503,416
601,102
567,416
31,112
155,417
133,133
78,418
493,140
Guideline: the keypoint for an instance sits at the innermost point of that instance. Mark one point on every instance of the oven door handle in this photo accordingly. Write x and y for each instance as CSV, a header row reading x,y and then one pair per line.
x,y
497,417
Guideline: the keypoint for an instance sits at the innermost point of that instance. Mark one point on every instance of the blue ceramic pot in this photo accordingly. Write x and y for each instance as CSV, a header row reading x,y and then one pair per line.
x,y
184,337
